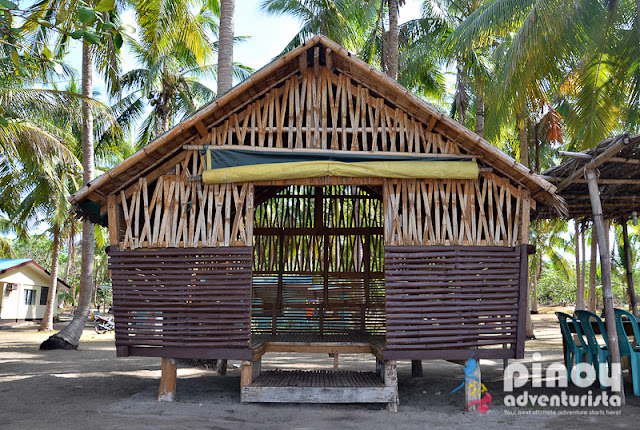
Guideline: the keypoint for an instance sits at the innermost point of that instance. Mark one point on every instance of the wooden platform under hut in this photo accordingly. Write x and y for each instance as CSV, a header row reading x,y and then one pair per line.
x,y
318,207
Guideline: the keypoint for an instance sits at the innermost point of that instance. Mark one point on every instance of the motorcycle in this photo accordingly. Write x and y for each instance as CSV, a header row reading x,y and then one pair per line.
x,y
104,324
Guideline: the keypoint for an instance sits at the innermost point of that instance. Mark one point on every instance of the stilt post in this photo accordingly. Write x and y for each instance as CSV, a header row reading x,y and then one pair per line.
x,y
167,390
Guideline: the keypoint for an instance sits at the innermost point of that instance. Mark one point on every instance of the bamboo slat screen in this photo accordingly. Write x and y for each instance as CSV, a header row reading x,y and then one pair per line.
x,y
176,212
325,110
453,298
318,261
486,211
192,302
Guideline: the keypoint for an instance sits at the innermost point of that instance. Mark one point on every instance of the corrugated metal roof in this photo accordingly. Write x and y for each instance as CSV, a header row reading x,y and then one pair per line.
x,y
8,263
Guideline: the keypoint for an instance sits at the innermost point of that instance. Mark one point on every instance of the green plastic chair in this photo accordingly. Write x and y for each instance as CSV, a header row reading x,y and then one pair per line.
x,y
627,348
599,353
575,353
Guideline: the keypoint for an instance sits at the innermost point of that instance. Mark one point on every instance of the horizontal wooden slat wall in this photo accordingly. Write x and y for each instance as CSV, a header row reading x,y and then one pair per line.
x,y
176,212
318,262
194,302
486,211
454,301
323,109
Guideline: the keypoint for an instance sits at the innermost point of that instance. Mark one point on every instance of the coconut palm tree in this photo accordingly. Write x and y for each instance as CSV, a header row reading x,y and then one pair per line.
x,y
553,51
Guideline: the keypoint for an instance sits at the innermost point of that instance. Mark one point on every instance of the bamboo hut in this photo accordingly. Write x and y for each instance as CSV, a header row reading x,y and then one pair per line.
x,y
317,207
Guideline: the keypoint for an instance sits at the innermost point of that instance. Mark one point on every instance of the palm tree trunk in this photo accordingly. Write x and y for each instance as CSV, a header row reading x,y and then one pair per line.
x,y
460,100
71,251
529,330
633,306
524,144
580,305
47,320
393,39
225,46
534,292
480,111
69,336
593,268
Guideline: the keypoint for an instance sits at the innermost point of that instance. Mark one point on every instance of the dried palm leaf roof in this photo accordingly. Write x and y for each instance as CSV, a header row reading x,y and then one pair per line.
x,y
196,126
617,161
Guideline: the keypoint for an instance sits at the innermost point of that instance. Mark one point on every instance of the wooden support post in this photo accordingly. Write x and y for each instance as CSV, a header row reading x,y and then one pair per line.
x,y
472,386
416,368
633,306
605,267
167,391
391,380
379,368
249,371
114,220
246,373
222,367
256,368
335,361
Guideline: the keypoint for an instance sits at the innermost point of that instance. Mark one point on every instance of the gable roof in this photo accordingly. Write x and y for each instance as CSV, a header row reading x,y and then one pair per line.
x,y
9,264
196,126
617,160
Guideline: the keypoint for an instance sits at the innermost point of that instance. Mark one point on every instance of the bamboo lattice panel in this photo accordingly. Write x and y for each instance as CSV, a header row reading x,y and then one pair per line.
x,y
326,110
486,211
318,262
182,298
174,212
451,298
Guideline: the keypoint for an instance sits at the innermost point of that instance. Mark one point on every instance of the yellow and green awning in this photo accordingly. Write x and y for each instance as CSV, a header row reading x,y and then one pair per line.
x,y
232,165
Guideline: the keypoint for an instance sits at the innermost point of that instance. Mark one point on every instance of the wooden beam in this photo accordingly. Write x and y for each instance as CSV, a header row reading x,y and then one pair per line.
x,y
602,181
114,221
328,58
167,390
607,292
616,145
302,59
323,151
585,156
202,130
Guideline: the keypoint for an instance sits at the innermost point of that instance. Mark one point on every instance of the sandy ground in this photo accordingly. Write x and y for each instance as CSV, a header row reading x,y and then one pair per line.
x,y
92,389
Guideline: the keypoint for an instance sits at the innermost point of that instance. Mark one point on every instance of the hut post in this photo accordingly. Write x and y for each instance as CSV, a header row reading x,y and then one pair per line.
x,y
391,380
607,293
633,306
472,385
167,390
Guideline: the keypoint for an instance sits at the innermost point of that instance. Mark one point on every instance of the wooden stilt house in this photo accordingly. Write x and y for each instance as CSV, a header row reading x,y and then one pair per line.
x,y
318,206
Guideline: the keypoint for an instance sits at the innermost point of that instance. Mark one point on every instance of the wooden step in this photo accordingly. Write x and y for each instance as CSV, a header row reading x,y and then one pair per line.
x,y
320,386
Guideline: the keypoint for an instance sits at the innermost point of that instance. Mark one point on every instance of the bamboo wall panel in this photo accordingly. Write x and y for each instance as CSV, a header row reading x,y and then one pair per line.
x,y
177,212
452,298
486,211
321,109
191,299
318,261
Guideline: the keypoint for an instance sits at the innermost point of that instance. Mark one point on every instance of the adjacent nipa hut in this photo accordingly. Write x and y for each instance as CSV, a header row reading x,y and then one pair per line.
x,y
317,207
